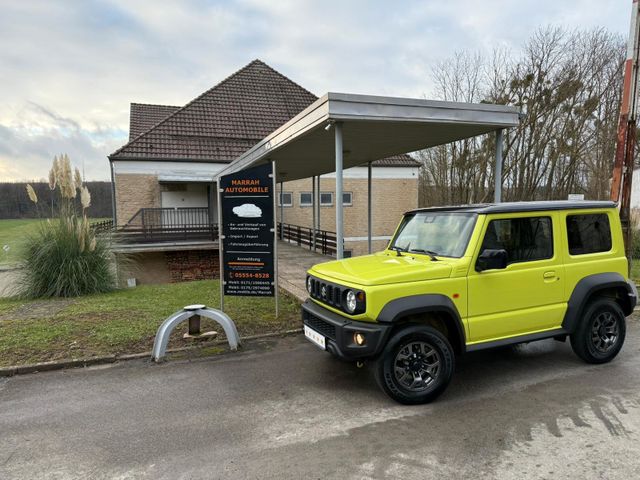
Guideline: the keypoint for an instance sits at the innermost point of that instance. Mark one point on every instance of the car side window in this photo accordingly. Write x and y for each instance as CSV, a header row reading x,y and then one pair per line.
x,y
525,239
588,233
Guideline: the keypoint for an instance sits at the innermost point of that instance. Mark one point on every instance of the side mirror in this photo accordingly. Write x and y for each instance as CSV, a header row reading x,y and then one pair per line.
x,y
490,259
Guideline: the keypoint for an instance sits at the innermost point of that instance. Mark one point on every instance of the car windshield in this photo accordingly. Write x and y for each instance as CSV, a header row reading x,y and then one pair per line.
x,y
435,233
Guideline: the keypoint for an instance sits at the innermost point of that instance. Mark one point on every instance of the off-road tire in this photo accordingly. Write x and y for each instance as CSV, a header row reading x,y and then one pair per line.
x,y
587,341
416,339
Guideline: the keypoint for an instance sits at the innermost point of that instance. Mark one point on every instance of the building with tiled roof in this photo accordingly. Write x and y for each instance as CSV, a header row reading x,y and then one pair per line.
x,y
165,174
223,122
143,116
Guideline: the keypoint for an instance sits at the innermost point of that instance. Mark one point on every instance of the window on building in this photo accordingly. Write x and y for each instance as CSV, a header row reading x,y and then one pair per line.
x,y
525,239
285,199
306,199
326,199
588,233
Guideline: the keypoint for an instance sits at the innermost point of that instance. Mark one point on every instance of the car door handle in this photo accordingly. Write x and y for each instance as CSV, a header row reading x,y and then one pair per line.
x,y
549,275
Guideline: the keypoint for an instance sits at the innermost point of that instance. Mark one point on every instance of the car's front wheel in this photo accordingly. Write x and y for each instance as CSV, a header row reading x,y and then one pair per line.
x,y
416,365
601,332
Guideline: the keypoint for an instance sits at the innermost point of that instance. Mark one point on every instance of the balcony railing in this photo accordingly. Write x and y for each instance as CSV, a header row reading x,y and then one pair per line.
x,y
157,225
325,241
151,225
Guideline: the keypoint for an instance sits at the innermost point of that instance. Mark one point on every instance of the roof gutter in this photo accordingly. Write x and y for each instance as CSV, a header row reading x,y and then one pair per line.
x,y
113,194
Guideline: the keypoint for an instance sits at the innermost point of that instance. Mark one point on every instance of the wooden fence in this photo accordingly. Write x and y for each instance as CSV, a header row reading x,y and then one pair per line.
x,y
325,241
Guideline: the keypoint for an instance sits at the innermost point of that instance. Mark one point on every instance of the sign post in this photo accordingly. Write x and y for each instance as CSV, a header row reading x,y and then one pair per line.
x,y
275,235
247,233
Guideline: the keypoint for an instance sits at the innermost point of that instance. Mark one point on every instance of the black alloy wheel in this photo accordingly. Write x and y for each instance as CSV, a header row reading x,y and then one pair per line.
x,y
416,365
601,332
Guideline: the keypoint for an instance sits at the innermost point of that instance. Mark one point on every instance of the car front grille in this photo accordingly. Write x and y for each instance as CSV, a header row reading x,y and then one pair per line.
x,y
319,325
327,292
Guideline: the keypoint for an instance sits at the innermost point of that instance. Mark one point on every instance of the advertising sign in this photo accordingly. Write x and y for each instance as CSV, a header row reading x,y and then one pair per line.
x,y
248,232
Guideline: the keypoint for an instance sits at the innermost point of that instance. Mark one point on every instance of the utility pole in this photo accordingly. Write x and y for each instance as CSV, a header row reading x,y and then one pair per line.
x,y
626,143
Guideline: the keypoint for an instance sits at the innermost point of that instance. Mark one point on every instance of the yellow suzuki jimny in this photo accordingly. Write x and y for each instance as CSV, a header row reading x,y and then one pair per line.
x,y
459,279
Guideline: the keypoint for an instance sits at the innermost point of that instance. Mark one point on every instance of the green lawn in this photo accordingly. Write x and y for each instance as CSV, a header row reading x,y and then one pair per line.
x,y
124,321
635,270
13,233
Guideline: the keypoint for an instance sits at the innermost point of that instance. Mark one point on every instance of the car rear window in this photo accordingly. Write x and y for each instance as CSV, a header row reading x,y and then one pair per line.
x,y
588,233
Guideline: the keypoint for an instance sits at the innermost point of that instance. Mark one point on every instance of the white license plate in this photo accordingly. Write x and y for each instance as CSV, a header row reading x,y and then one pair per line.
x,y
315,337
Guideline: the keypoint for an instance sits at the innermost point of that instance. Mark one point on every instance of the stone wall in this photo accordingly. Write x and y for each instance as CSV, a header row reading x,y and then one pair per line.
x,y
391,197
133,192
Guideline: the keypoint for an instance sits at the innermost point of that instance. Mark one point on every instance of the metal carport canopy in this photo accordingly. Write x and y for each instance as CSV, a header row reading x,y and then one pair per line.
x,y
341,130
373,127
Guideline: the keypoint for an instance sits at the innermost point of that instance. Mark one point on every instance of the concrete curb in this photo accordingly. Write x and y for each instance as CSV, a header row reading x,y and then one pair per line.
x,y
87,362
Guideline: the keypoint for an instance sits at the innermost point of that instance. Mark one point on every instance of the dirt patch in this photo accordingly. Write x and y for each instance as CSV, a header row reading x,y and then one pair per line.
x,y
36,309
123,322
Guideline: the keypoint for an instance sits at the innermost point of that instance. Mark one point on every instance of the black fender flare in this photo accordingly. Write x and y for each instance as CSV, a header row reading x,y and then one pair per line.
x,y
398,308
589,286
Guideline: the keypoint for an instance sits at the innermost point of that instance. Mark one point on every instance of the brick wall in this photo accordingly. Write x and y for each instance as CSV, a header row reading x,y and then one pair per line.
x,y
193,265
390,199
133,192
362,247
167,267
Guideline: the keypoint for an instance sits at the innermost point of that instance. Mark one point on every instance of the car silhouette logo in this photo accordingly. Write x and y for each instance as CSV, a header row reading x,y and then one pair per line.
x,y
248,210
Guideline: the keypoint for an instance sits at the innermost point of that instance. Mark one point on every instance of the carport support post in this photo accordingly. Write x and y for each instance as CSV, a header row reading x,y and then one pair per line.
x,y
369,222
313,207
339,211
281,211
317,205
497,191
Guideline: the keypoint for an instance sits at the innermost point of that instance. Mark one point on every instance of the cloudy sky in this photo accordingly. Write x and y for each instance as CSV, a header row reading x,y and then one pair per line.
x,y
70,68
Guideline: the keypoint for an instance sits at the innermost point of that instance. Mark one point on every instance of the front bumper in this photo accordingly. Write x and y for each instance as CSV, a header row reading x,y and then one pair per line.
x,y
339,332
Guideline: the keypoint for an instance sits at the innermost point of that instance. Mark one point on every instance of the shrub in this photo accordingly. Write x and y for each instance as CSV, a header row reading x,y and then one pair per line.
x,y
65,257
635,242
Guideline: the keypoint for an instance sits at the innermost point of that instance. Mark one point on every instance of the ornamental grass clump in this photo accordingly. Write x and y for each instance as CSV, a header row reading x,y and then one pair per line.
x,y
65,257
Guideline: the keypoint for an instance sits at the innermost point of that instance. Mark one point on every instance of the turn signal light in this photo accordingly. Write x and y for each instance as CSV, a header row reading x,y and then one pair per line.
x,y
359,339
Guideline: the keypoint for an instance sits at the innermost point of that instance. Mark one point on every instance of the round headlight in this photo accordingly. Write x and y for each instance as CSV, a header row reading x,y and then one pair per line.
x,y
309,284
351,301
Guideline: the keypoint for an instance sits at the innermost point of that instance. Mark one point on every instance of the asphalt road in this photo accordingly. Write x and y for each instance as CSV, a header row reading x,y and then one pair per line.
x,y
287,410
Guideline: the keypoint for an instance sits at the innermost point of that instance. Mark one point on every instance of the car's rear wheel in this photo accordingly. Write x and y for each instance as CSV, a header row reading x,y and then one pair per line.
x,y
601,331
416,365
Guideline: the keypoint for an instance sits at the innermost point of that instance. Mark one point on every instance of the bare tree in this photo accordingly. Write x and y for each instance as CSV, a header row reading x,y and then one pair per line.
x,y
14,202
456,172
567,85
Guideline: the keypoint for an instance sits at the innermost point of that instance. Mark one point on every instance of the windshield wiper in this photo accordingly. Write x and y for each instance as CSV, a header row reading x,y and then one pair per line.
x,y
398,250
431,253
